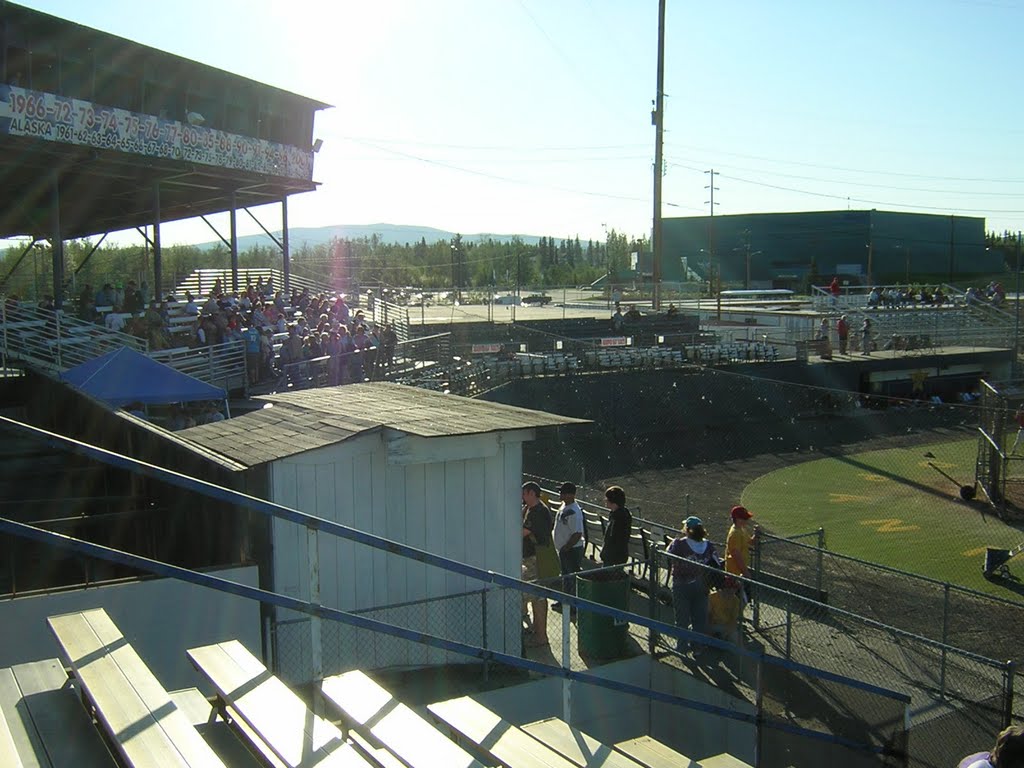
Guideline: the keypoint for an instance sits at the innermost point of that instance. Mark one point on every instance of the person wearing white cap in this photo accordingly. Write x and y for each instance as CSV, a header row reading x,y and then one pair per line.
x,y
690,582
568,536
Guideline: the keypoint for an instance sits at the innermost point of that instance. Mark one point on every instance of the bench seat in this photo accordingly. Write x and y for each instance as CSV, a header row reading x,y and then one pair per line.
x,y
575,745
504,743
373,711
652,753
145,726
271,715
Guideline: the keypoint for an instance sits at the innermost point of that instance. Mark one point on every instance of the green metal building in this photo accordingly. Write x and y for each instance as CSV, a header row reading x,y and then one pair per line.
x,y
782,250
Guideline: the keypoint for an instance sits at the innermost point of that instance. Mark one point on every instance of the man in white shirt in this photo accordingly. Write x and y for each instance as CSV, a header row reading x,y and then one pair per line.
x,y
567,533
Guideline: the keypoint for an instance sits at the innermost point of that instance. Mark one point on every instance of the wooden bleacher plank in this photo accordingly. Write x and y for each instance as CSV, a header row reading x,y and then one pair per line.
x,y
379,756
572,743
724,760
148,730
372,708
509,746
216,732
64,728
652,753
19,724
272,712
8,752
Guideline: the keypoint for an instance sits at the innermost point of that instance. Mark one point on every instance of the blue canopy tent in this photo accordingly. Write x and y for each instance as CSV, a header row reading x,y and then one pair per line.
x,y
125,376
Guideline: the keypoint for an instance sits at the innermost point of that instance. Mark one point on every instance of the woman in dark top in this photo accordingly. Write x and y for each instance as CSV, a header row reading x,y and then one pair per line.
x,y
690,580
620,525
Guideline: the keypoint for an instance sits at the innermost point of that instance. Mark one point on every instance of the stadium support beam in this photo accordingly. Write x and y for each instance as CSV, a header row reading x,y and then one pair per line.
x,y
17,262
56,241
158,289
234,241
91,252
286,263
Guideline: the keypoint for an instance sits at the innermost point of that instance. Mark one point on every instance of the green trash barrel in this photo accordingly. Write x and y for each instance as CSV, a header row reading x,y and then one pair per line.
x,y
602,636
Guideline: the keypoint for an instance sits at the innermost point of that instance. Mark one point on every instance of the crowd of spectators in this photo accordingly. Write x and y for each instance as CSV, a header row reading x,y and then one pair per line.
x,y
895,297
279,332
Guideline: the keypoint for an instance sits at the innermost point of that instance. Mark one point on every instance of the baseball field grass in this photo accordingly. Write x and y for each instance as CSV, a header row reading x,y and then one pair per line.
x,y
895,508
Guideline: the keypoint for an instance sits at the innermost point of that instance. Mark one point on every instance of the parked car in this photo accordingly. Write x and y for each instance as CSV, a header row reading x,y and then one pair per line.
x,y
539,299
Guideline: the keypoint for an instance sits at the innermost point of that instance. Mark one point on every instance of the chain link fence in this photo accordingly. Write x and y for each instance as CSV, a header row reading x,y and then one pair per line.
x,y
497,623
954,694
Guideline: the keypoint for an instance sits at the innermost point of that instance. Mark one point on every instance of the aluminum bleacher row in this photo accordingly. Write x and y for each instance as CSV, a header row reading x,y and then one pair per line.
x,y
534,364
98,705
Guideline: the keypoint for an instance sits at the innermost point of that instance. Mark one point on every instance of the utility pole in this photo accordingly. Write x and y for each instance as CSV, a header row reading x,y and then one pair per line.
x,y
658,117
871,249
746,243
1016,325
952,221
715,261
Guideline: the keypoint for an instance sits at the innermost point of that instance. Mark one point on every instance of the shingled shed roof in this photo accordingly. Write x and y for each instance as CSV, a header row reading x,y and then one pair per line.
x,y
314,418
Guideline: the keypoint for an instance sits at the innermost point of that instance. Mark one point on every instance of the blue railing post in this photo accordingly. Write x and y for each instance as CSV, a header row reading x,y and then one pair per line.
x,y
1010,673
483,630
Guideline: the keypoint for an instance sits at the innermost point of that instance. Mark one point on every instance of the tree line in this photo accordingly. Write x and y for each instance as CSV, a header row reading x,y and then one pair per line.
x,y
341,263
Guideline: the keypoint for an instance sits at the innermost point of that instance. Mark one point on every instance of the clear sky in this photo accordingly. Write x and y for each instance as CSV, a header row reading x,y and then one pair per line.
x,y
533,116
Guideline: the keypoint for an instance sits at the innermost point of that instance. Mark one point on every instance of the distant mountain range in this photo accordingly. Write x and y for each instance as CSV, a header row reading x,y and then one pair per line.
x,y
389,233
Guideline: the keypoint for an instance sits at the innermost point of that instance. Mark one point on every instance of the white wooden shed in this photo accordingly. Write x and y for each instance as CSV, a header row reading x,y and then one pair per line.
x,y
437,472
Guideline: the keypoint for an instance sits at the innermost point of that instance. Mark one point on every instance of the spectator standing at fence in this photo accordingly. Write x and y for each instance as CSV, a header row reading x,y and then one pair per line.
x,y
536,536
1018,419
865,334
253,352
835,290
690,582
620,524
568,536
737,547
388,343
843,332
1008,751
617,319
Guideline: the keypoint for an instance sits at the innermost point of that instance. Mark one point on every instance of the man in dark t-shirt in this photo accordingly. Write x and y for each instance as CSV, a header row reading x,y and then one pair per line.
x,y
620,525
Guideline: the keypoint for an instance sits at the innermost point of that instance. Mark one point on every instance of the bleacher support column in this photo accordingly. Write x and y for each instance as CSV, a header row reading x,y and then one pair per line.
x,y
566,663
234,241
1010,674
286,264
654,580
56,241
821,557
756,568
316,650
157,252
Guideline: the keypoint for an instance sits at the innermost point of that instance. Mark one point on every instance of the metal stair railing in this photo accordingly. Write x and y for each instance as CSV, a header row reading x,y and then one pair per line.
x,y
222,365
52,341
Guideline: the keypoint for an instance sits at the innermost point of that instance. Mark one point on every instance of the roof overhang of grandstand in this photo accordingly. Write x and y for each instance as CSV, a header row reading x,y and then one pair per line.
x,y
101,191
65,83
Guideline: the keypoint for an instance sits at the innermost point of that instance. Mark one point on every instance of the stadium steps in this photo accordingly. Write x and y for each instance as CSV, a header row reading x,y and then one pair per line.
x,y
52,342
201,281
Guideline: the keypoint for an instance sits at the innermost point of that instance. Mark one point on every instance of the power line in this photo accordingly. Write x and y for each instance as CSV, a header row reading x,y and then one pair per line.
x,y
865,183
496,177
851,170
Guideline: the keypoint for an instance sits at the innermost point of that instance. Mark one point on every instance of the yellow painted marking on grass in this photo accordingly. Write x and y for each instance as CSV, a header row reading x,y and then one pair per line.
x,y
842,498
890,525
875,478
974,552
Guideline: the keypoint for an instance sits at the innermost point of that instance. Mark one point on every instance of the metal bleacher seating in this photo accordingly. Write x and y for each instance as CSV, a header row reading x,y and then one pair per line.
x,y
378,717
276,722
138,716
